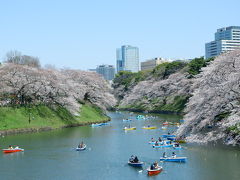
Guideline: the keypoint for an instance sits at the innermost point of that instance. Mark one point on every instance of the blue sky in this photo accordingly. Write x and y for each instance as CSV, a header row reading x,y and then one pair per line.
x,y
82,34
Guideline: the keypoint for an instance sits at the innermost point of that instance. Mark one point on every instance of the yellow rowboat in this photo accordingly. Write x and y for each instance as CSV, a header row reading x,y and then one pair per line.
x,y
127,129
149,127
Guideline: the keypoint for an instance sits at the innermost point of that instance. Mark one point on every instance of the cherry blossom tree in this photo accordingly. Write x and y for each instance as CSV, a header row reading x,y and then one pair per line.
x,y
24,85
213,110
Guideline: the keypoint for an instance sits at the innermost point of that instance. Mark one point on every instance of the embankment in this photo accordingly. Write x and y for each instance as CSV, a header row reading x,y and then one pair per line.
x,y
42,118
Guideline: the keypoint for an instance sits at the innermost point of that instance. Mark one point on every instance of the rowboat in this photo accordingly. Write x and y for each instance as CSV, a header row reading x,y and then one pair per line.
x,y
82,148
105,124
168,135
164,127
161,143
140,117
127,120
152,142
171,138
165,123
177,147
131,128
100,124
12,150
156,171
162,146
96,125
135,164
149,127
174,159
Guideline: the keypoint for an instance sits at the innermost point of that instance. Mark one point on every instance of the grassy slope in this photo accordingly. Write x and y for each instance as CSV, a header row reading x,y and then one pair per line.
x,y
42,116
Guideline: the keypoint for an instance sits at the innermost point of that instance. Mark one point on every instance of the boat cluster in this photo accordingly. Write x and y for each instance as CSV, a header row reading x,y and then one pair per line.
x,y
167,140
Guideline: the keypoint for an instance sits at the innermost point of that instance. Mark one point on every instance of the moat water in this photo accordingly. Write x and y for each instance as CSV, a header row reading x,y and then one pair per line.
x,y
51,155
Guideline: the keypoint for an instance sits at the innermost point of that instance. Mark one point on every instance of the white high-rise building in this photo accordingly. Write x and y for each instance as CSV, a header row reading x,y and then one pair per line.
x,y
128,59
226,39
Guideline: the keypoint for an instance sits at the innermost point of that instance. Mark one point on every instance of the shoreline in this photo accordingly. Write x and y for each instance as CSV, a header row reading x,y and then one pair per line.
x,y
47,128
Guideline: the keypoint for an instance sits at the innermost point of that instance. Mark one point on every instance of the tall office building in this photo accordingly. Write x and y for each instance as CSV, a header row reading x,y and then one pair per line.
x,y
107,71
226,39
128,59
119,60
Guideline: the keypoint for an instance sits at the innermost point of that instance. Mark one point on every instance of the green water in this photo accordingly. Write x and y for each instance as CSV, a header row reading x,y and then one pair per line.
x,y
51,155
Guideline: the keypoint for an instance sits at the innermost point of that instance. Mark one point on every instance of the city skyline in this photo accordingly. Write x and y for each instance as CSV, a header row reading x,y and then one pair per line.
x,y
80,35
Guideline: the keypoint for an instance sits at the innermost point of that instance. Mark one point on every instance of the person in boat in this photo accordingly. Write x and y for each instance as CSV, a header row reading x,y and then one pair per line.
x,y
156,143
17,147
10,147
164,155
174,155
80,145
154,166
176,144
160,139
168,133
131,159
135,160
152,140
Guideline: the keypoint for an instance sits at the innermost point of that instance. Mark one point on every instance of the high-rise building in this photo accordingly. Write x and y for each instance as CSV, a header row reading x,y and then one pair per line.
x,y
226,39
128,59
119,60
107,71
152,63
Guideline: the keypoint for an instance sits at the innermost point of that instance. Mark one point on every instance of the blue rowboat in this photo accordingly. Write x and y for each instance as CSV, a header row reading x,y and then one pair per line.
x,y
177,147
105,124
161,143
100,124
152,142
162,146
138,164
127,120
165,142
168,135
140,117
81,149
174,159
171,138
96,125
